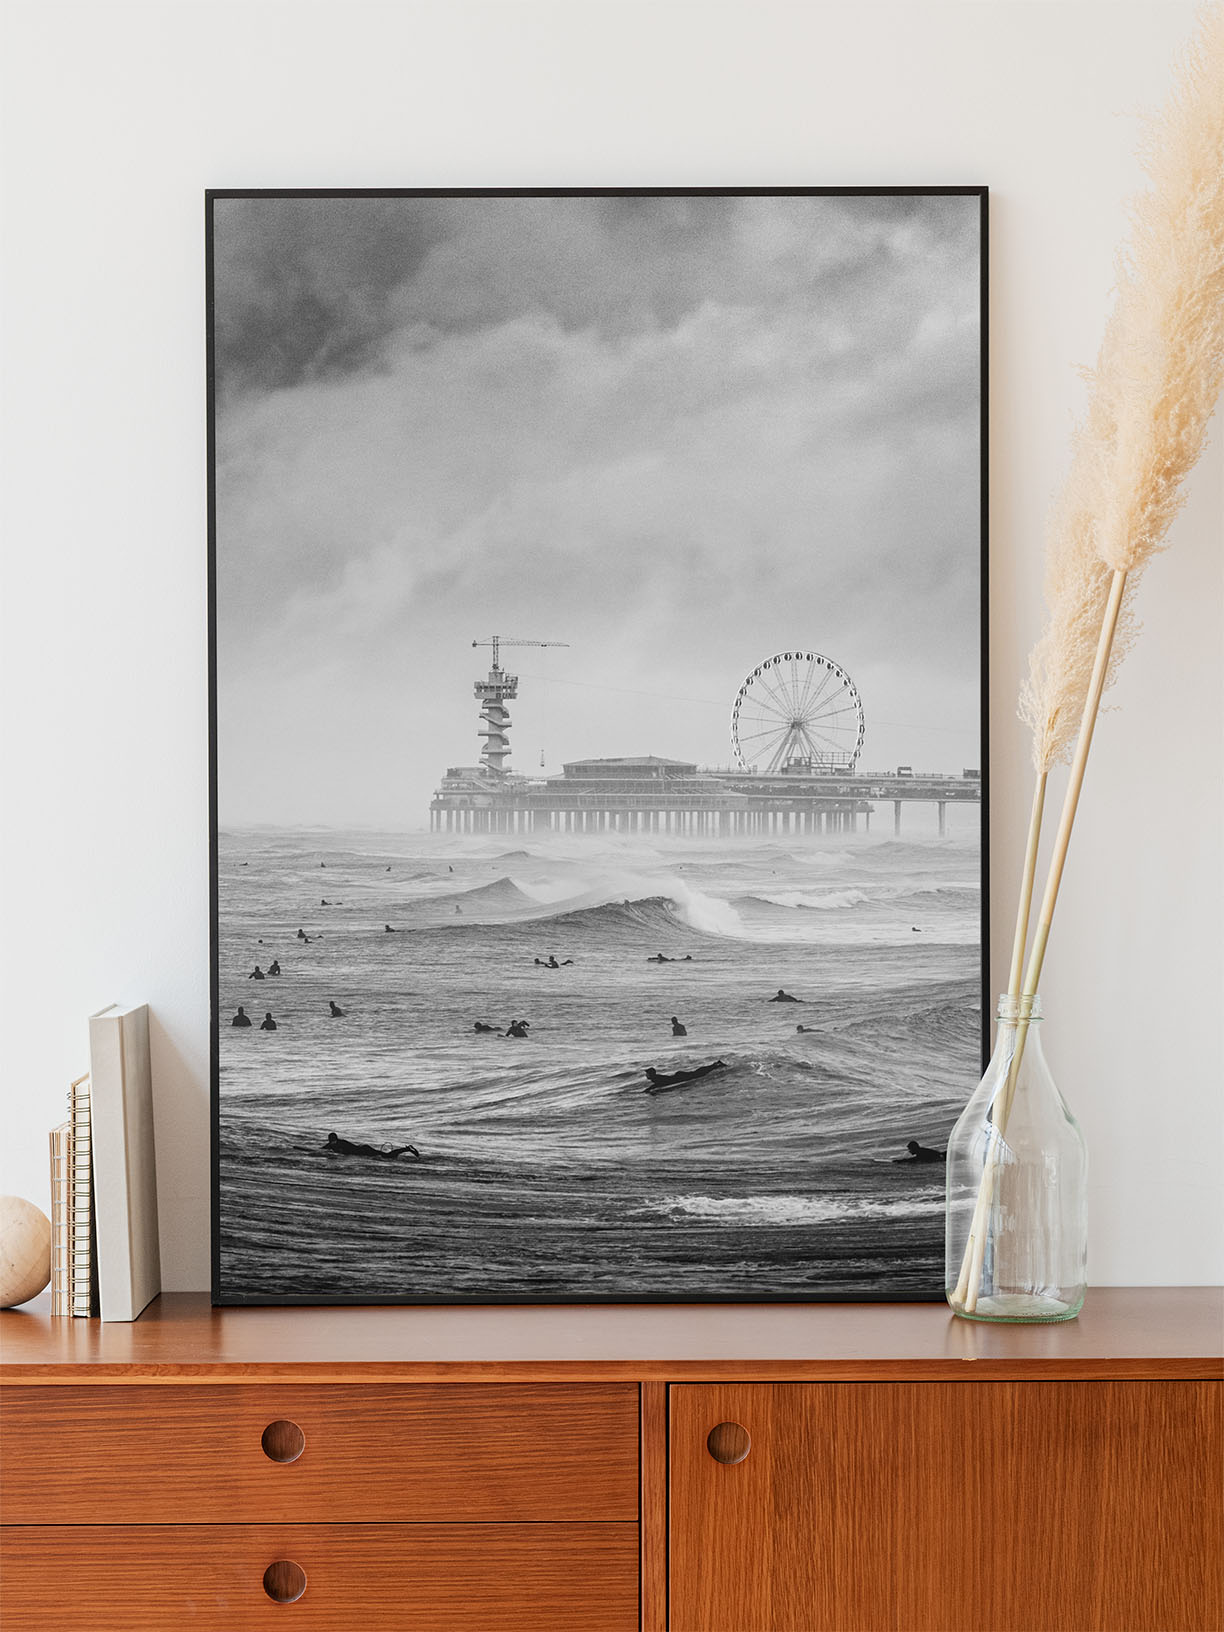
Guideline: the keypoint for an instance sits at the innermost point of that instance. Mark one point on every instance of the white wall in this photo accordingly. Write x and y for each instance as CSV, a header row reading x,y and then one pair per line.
x,y
119,115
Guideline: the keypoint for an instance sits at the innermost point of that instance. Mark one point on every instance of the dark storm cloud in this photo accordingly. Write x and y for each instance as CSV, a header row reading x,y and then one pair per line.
x,y
312,288
302,285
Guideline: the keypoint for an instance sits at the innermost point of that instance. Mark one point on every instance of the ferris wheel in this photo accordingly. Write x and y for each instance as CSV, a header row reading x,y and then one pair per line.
x,y
798,711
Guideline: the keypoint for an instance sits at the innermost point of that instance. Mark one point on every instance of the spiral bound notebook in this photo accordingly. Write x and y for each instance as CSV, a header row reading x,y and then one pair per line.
x,y
61,1219
82,1244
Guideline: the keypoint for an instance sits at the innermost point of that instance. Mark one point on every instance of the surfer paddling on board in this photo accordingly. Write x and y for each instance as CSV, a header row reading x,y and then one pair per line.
x,y
920,1153
336,1146
658,1083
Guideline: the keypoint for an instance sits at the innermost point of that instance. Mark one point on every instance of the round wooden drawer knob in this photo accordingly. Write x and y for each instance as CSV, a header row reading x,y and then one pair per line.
x,y
283,1441
284,1582
728,1442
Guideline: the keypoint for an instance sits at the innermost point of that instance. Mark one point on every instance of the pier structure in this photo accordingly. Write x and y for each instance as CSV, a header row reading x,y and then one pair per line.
x,y
649,795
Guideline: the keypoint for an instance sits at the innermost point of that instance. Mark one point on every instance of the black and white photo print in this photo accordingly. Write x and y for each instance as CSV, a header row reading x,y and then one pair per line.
x,y
597,592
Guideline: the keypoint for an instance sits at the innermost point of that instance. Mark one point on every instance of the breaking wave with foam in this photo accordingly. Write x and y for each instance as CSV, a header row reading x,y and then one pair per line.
x,y
772,1210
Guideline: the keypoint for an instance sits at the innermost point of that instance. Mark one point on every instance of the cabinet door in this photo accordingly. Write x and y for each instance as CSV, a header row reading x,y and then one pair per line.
x,y
946,1507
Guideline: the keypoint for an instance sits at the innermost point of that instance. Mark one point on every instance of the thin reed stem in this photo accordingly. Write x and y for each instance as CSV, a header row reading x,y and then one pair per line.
x,y
1075,782
969,1283
975,1244
1025,904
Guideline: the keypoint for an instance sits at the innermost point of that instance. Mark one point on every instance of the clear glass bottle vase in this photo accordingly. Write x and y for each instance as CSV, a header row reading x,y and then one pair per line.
x,y
1017,1216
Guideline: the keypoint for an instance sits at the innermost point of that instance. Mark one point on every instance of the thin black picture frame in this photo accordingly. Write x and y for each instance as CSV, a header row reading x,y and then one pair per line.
x,y
213,196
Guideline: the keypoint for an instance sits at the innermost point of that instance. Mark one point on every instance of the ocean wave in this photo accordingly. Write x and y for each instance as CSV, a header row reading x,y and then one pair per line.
x,y
945,1024
797,899
608,901
687,908
827,858
503,895
947,895
655,912
775,1210
889,852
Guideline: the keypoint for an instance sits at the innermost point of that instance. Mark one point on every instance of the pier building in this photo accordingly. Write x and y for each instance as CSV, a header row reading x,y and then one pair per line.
x,y
648,794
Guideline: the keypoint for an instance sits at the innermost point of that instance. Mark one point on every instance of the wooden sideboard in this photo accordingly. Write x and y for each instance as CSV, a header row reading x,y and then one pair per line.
x,y
788,1468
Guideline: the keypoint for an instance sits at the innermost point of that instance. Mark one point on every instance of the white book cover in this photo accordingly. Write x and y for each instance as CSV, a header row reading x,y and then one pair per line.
x,y
124,1168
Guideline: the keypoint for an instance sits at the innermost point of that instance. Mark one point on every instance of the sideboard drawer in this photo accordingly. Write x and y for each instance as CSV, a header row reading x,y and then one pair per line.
x,y
413,1578
233,1453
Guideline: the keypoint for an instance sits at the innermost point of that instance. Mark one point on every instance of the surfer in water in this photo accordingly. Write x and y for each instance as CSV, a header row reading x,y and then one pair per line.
x,y
659,958
274,967
336,1146
920,1153
657,1081
785,997
337,1013
482,1027
267,1023
256,973
242,1018
517,1028
677,1029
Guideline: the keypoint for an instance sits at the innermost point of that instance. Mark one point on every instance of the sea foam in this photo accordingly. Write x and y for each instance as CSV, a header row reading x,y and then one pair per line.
x,y
767,1210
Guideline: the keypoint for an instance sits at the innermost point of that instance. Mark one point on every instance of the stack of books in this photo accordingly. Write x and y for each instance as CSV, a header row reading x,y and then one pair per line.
x,y
105,1257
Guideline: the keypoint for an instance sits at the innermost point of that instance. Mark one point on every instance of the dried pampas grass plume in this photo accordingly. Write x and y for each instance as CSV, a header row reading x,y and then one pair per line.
x,y
1077,584
1151,397
1162,358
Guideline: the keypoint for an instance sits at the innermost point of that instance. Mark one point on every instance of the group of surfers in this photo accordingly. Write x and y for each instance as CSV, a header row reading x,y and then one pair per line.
x,y
242,1018
657,1082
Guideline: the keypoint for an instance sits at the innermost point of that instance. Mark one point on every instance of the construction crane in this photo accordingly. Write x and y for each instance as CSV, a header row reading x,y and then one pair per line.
x,y
493,694
498,641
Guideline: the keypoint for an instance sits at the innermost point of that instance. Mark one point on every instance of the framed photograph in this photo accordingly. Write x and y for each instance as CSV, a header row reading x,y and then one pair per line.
x,y
598,688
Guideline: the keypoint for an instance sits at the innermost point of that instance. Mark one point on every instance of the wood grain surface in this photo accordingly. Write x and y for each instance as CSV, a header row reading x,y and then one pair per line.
x,y
429,1452
1122,1332
1001,1507
404,1578
654,1507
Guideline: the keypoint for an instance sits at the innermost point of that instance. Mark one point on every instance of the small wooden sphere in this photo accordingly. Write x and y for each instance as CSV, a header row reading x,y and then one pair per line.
x,y
25,1251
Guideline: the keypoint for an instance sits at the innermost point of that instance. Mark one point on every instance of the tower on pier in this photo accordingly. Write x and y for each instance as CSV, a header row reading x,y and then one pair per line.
x,y
493,694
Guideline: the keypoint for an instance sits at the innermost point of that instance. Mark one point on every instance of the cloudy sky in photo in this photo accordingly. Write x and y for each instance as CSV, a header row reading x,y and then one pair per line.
x,y
680,434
